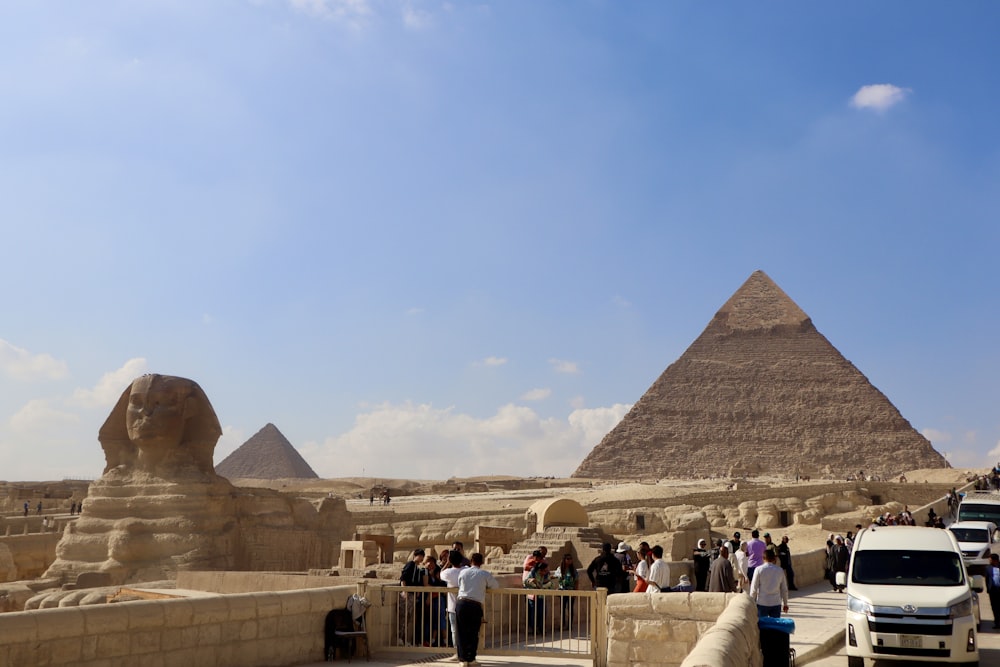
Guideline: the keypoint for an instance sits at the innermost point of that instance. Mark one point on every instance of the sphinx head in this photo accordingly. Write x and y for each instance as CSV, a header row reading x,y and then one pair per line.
x,y
161,424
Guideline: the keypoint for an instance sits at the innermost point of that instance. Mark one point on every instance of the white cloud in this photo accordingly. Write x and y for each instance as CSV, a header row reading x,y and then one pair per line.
x,y
352,13
536,394
561,366
493,361
414,311
419,441
38,416
879,96
231,440
110,386
936,436
415,18
621,301
19,364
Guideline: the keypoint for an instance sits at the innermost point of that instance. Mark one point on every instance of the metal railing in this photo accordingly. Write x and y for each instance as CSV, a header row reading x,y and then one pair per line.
x,y
516,621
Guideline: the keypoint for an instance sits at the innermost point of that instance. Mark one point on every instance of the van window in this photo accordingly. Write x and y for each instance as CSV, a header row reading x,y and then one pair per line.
x,y
973,511
971,534
907,568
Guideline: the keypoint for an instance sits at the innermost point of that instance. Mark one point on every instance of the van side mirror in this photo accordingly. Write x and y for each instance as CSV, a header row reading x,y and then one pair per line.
x,y
978,583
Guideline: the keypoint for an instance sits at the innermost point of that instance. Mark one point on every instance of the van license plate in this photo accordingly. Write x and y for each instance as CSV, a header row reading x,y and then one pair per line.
x,y
910,641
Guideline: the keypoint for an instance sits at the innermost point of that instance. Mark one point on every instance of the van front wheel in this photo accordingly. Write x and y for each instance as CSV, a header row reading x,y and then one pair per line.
x,y
855,661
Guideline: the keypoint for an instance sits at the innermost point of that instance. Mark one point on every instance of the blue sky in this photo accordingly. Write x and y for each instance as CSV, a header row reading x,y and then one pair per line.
x,y
428,239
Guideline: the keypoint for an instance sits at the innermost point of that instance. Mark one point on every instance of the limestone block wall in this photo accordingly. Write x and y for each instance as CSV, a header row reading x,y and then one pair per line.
x,y
661,630
31,553
247,630
249,582
734,640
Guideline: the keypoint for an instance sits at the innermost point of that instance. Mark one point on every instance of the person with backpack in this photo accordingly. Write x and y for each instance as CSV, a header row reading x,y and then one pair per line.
x,y
605,571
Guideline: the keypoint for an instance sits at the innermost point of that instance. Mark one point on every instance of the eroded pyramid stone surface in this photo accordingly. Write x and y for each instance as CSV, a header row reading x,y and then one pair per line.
x,y
760,391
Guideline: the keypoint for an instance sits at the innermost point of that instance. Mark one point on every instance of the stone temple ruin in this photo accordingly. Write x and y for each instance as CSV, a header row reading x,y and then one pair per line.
x,y
761,390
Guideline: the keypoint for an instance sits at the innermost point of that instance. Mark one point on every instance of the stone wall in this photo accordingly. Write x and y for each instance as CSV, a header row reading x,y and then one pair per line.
x,y
734,640
31,553
248,630
662,630
248,582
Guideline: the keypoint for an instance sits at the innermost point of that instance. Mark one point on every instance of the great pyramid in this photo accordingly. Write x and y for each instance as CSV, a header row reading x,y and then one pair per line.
x,y
760,391
266,455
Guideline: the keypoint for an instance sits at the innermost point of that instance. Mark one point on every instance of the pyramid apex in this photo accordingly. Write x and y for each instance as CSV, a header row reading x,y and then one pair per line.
x,y
759,304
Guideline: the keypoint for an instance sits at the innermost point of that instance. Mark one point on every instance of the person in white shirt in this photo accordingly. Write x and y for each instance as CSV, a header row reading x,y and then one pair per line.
x,y
659,572
769,588
642,568
472,585
450,576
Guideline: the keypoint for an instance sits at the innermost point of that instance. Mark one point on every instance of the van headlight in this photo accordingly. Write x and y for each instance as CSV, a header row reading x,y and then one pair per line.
x,y
963,608
859,606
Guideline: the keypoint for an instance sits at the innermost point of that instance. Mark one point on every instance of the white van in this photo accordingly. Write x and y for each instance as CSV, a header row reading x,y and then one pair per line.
x,y
980,506
908,598
977,540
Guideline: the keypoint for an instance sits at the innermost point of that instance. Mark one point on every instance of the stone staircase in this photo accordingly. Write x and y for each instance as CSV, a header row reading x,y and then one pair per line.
x,y
583,542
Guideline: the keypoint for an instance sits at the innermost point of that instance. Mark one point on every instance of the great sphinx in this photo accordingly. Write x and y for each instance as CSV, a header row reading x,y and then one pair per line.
x,y
159,506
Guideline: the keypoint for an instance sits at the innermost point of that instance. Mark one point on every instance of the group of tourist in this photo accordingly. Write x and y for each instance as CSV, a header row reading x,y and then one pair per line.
x,y
440,618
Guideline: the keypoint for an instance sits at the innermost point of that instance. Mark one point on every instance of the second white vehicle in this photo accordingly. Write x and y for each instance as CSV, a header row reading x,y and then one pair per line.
x,y
977,540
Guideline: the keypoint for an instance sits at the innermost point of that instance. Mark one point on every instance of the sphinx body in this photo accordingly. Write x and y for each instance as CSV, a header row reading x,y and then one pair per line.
x,y
159,505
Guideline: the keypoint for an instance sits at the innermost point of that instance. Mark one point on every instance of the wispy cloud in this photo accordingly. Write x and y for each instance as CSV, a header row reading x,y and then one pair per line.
x,y
414,311
879,96
415,18
621,301
39,415
453,443
353,13
20,364
536,394
110,386
492,361
936,436
563,366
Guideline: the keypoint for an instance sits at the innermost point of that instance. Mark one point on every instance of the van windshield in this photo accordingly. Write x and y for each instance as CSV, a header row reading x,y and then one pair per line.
x,y
971,534
973,511
908,568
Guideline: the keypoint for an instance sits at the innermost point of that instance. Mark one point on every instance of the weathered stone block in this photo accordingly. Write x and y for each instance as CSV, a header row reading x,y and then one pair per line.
x,y
145,641
178,613
268,605
66,651
248,631
104,619
113,645
242,607
145,614
58,624
209,635
293,602
18,627
267,627
210,610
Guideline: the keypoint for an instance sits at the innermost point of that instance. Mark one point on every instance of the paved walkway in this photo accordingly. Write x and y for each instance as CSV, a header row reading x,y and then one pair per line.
x,y
819,629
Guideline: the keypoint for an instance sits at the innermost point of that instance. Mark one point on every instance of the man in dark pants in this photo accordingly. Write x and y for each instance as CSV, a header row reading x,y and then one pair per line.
x,y
785,559
472,585
993,588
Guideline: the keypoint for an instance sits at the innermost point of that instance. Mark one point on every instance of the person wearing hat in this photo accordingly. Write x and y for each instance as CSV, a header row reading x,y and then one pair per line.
x,y
702,561
684,585
622,554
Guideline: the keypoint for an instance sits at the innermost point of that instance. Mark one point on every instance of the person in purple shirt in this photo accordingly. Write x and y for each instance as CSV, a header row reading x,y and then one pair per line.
x,y
755,553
